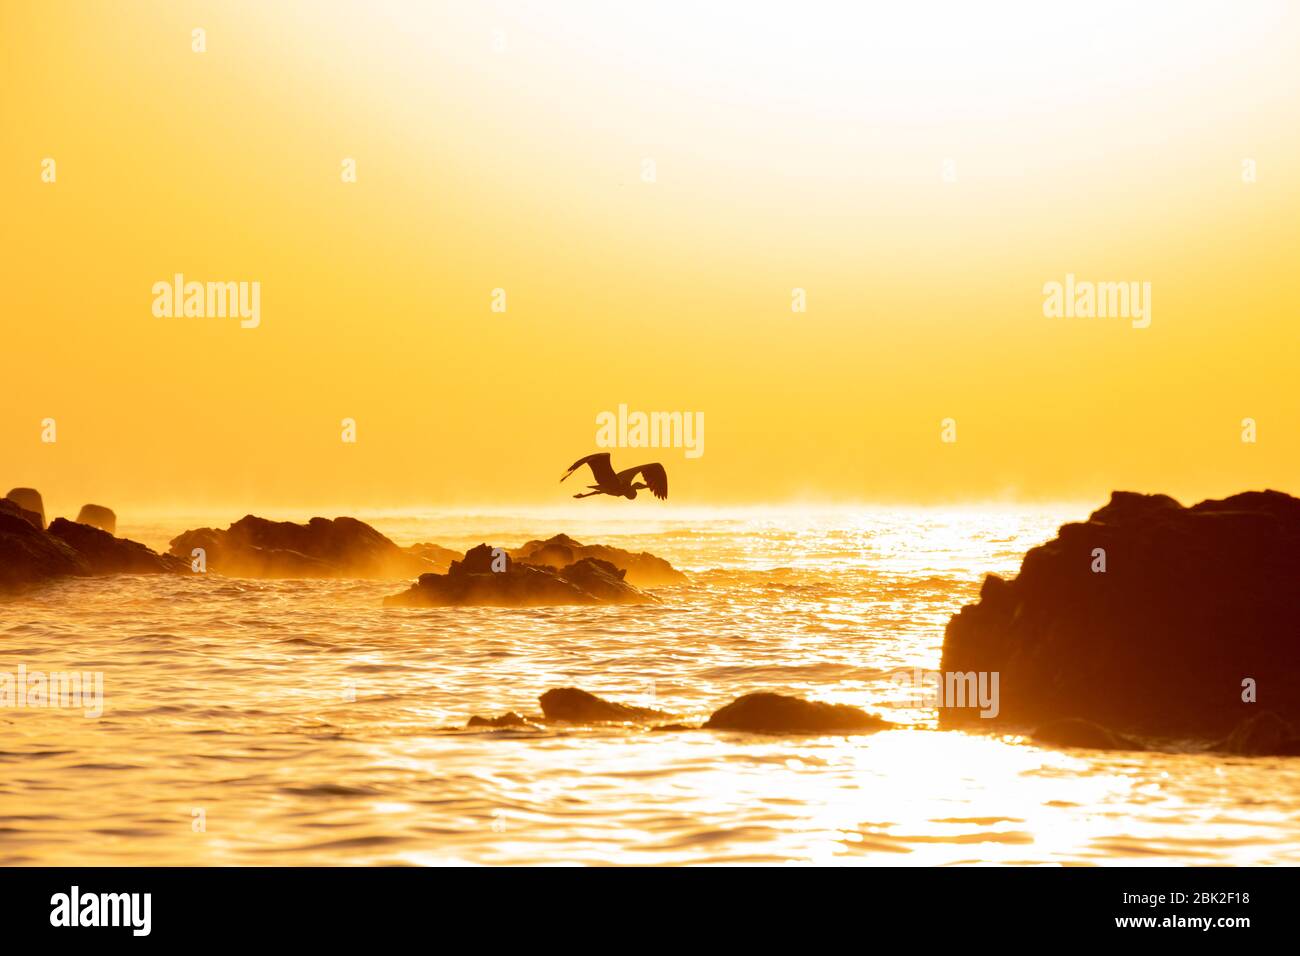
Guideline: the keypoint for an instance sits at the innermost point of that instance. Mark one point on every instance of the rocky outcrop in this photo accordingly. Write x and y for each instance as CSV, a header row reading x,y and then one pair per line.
x,y
105,554
239,560
1194,608
484,580
571,705
345,547
255,547
30,556
644,569
776,714
97,516
29,499
10,507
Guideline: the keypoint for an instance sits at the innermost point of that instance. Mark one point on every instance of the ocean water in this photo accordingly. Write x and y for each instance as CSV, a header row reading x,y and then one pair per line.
x,y
300,722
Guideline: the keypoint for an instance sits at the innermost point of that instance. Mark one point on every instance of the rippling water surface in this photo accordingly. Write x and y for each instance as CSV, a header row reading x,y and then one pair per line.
x,y
300,722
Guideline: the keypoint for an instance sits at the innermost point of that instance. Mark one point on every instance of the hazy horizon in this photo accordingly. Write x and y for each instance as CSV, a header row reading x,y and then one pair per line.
x,y
598,510
652,211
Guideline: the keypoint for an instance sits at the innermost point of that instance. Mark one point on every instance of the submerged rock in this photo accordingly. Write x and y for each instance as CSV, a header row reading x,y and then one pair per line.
x,y
1264,735
1076,732
576,706
472,581
30,556
29,499
105,554
258,548
506,720
1193,605
778,713
97,516
644,569
757,713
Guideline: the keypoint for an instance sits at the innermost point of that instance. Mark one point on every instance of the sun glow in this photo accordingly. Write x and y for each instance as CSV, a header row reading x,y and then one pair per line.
x,y
650,184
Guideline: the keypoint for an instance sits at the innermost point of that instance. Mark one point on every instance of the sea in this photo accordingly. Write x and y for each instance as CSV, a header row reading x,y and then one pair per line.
x,y
301,722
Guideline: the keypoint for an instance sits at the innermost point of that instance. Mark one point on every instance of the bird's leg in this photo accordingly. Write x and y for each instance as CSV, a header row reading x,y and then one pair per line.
x,y
587,495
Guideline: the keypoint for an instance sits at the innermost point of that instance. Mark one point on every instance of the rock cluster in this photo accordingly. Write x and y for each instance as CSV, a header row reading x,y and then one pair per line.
x,y
487,577
256,547
762,713
1149,618
643,569
31,554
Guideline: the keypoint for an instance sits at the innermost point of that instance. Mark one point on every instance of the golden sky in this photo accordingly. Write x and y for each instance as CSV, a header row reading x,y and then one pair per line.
x,y
920,170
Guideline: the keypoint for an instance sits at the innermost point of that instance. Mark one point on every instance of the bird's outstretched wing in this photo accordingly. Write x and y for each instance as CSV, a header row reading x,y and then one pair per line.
x,y
655,478
600,468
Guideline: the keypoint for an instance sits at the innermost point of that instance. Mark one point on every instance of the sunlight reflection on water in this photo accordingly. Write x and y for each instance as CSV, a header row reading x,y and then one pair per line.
x,y
310,725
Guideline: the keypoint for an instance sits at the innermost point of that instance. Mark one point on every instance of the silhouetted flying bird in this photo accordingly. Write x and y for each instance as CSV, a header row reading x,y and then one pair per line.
x,y
620,484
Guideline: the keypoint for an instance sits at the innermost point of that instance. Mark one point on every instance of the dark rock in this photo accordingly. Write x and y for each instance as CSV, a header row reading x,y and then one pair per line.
x,y
247,561
480,560
1076,732
97,516
30,556
29,499
576,706
1264,735
1192,602
472,581
321,548
14,509
777,713
667,728
644,569
510,719
528,587
598,578
105,554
